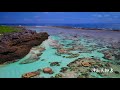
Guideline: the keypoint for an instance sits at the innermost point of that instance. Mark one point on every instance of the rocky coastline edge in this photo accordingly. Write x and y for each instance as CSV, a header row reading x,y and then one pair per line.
x,y
14,46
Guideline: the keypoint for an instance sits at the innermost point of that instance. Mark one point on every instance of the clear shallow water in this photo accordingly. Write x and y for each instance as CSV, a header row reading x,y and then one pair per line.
x,y
63,36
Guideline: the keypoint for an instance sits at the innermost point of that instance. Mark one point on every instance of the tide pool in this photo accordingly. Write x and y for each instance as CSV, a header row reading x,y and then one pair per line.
x,y
67,39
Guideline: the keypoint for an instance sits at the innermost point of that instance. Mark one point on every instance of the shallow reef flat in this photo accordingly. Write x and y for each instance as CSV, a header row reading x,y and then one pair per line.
x,y
69,54
89,68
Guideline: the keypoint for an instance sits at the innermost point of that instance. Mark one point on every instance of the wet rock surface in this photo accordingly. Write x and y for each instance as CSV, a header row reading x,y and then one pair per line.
x,y
33,55
31,59
16,45
82,68
63,69
58,76
48,70
111,54
72,56
55,64
31,74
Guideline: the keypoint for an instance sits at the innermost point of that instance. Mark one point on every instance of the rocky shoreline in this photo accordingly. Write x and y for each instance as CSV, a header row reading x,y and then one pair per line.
x,y
14,46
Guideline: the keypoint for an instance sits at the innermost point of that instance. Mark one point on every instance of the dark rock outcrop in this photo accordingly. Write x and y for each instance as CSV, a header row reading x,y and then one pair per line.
x,y
16,45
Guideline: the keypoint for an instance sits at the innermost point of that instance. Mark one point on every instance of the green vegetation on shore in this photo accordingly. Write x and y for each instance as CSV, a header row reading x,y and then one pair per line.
x,y
8,29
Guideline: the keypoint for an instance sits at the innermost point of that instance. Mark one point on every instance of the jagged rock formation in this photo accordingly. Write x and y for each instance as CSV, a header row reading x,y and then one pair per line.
x,y
16,45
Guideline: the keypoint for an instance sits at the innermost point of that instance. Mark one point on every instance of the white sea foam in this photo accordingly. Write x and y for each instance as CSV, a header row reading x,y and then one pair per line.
x,y
38,26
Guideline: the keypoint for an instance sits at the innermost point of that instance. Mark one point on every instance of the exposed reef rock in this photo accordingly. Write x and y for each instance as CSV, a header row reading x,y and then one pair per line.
x,y
31,74
16,45
48,70
33,57
55,64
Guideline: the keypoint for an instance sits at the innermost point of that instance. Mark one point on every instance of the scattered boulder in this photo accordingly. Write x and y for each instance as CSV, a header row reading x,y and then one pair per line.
x,y
48,70
116,72
31,74
86,64
55,64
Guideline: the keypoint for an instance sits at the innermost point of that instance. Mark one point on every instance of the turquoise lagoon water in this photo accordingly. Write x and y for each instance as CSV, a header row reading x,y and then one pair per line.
x,y
62,36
